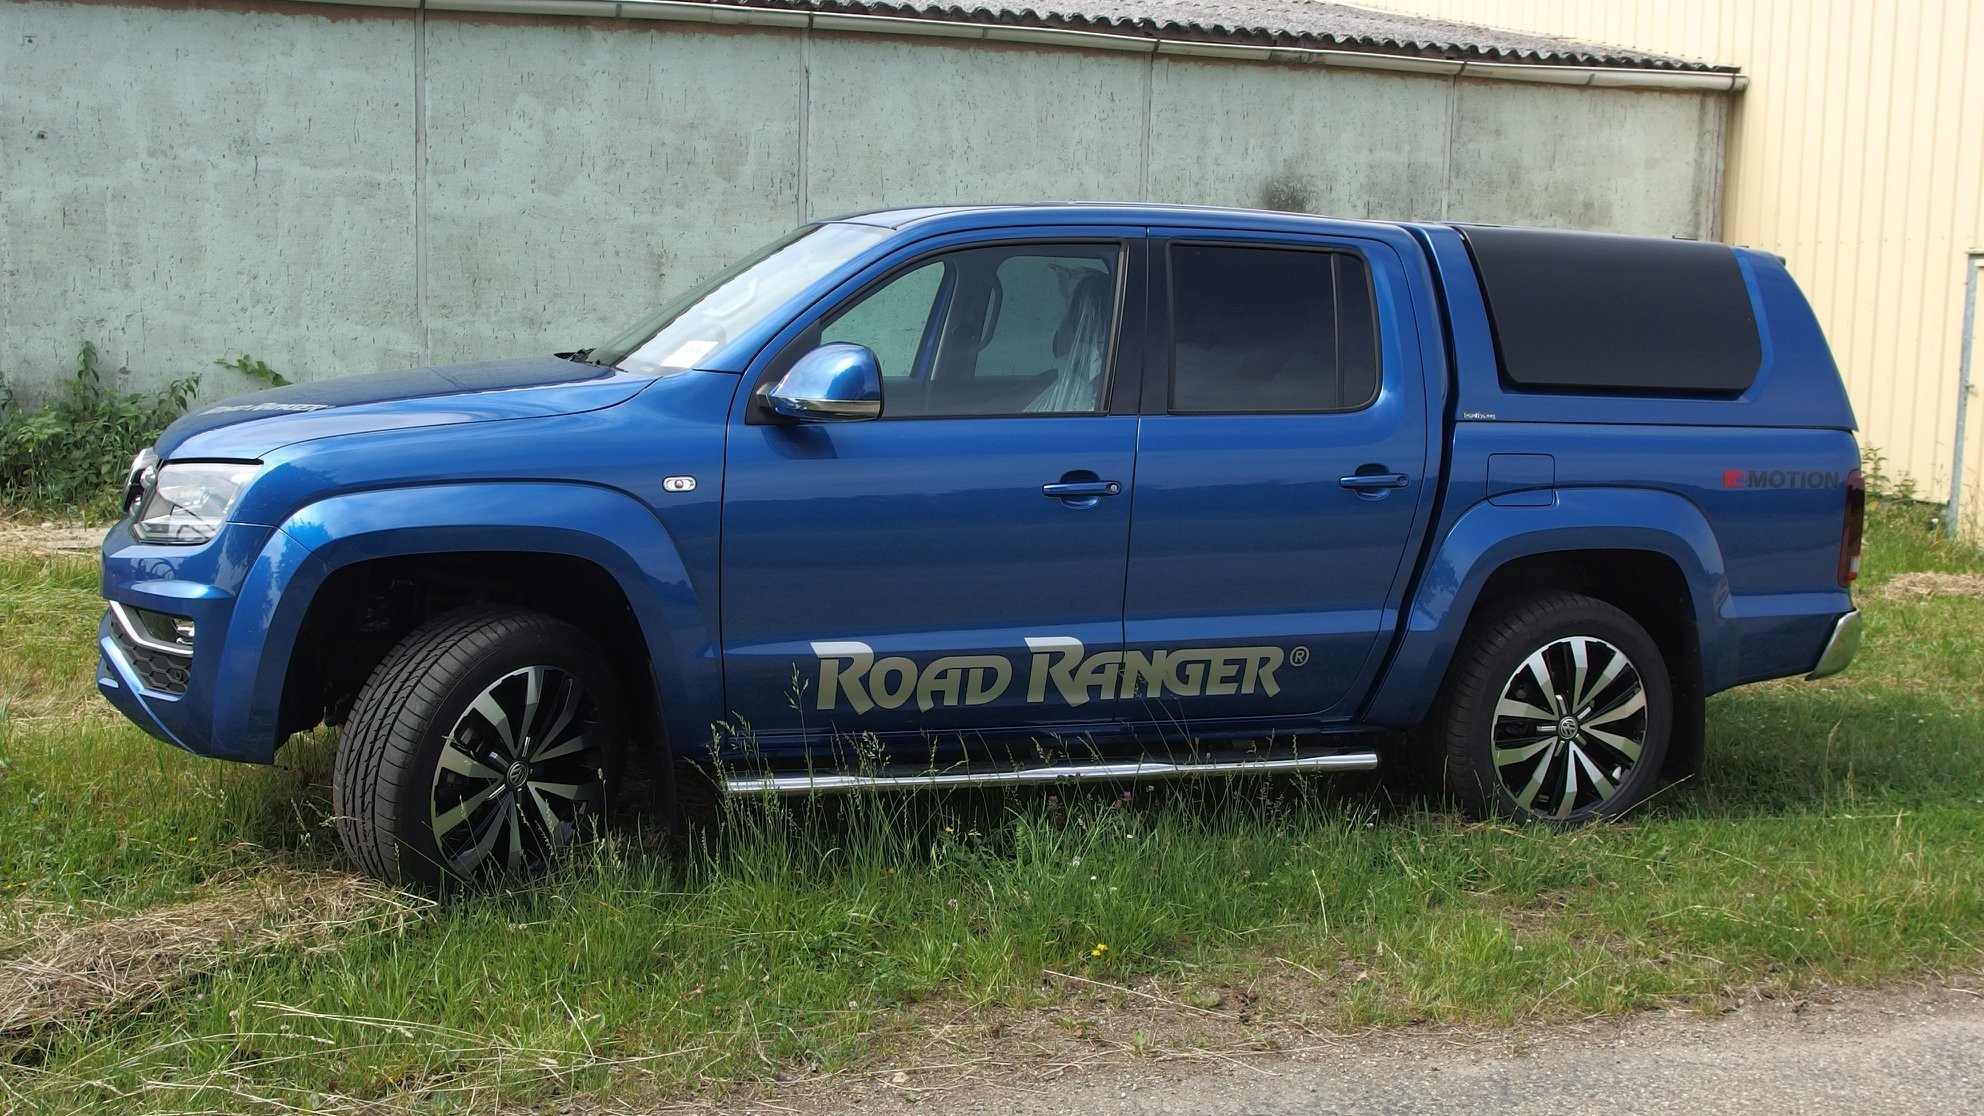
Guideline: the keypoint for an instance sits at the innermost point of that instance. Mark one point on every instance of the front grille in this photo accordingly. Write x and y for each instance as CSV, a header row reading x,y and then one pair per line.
x,y
160,671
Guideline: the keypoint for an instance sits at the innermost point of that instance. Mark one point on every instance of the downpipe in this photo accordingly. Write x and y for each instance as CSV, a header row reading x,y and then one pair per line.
x,y
1973,263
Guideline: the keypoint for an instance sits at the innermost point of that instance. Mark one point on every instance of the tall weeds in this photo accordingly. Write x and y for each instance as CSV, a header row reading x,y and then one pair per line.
x,y
69,455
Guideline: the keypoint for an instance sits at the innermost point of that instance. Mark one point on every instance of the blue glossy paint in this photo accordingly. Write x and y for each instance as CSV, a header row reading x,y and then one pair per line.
x,y
1797,385
922,538
587,485
598,525
1245,534
1485,537
249,426
942,546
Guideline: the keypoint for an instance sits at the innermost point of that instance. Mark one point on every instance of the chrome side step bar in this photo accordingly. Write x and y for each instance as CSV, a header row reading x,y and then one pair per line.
x,y
807,782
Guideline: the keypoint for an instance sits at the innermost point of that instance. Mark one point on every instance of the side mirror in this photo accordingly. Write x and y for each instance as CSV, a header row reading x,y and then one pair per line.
x,y
837,382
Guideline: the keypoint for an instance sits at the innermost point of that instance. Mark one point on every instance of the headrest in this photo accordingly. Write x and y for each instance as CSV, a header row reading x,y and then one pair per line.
x,y
1089,302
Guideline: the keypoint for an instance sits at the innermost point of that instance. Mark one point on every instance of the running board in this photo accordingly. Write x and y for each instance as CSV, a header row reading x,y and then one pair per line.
x,y
807,782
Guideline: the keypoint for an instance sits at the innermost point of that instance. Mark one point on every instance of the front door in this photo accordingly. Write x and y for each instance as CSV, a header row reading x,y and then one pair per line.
x,y
946,569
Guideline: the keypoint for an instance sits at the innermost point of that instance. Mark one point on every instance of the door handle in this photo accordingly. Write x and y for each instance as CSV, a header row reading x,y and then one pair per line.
x,y
1373,482
1080,490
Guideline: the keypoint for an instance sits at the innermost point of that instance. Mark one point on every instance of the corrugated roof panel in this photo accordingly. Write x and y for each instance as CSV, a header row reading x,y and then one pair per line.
x,y
1304,23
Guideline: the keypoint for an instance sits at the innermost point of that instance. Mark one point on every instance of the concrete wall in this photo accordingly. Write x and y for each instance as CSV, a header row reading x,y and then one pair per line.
x,y
577,173
342,189
180,186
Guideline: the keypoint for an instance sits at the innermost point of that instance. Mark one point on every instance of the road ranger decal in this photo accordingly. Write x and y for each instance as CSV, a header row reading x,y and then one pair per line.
x,y
1058,667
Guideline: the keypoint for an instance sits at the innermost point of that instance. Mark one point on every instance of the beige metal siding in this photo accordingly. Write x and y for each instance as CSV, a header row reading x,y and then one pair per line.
x,y
1858,154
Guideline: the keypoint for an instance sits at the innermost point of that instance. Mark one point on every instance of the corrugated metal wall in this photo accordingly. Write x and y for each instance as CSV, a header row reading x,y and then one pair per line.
x,y
1858,154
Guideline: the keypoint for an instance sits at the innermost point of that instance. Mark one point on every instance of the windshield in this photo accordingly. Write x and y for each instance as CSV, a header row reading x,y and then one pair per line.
x,y
704,320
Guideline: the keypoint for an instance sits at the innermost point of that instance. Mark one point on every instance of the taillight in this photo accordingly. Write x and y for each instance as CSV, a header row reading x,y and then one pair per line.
x,y
1855,527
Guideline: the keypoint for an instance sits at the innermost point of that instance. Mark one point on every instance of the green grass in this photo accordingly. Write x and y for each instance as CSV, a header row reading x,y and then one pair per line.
x,y
1835,838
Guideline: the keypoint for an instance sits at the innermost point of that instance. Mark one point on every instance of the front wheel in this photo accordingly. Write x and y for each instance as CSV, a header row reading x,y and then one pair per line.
x,y
1557,709
482,746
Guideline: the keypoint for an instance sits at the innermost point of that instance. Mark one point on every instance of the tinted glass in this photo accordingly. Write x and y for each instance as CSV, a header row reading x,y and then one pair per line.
x,y
1270,329
1036,300
893,320
1008,330
1356,333
1593,312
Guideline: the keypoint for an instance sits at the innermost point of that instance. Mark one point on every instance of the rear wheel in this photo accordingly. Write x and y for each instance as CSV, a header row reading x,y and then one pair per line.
x,y
482,746
1557,709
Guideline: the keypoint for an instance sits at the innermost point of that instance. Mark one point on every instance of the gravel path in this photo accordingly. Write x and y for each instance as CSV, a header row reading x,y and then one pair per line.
x,y
1919,1053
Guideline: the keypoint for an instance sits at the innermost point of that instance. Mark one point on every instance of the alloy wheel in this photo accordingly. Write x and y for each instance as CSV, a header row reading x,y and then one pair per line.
x,y
520,776
1570,726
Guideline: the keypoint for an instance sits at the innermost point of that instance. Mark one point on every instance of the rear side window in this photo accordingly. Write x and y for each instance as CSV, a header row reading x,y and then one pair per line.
x,y
1261,329
1591,312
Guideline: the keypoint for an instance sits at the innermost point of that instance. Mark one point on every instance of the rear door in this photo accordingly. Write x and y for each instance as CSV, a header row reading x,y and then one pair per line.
x,y
1282,467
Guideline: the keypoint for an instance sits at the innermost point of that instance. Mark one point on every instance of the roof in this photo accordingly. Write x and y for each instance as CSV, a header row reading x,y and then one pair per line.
x,y
972,215
1311,24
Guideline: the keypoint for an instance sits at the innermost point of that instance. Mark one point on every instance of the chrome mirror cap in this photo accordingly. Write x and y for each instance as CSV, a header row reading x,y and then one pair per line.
x,y
837,382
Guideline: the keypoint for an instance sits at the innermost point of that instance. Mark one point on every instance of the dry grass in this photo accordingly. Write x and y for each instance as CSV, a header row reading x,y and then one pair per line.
x,y
31,535
68,967
948,1049
1924,584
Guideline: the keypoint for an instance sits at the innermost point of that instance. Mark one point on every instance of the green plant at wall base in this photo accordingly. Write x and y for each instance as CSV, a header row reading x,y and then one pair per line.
x,y
69,455
256,370
1882,485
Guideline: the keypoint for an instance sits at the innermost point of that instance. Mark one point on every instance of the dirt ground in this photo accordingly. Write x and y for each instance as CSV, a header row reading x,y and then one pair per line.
x,y
1916,1050
20,533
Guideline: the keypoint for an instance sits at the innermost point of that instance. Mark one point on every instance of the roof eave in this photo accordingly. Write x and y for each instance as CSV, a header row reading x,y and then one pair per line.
x,y
737,15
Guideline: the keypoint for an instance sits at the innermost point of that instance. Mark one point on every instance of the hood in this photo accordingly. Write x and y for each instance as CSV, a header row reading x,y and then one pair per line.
x,y
248,427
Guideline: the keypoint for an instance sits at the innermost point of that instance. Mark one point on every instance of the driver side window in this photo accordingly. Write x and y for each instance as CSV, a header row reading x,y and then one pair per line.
x,y
1007,330
893,320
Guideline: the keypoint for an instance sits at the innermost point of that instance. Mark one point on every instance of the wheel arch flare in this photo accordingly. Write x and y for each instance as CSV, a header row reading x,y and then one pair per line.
x,y
601,527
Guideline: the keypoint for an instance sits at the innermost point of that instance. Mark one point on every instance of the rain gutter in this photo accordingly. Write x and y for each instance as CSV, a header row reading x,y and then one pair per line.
x,y
733,15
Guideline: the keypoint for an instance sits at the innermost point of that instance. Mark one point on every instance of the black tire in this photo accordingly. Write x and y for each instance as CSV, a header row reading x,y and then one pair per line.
x,y
1513,739
502,803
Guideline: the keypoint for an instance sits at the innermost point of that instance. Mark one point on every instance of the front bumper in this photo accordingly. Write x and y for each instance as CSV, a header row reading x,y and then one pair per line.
x,y
206,698
129,687
1840,648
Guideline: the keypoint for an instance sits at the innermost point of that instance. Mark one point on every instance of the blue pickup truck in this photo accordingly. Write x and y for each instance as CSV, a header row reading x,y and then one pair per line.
x,y
1021,493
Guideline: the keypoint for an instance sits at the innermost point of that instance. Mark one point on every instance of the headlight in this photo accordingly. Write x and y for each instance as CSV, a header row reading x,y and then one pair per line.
x,y
139,477
190,500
